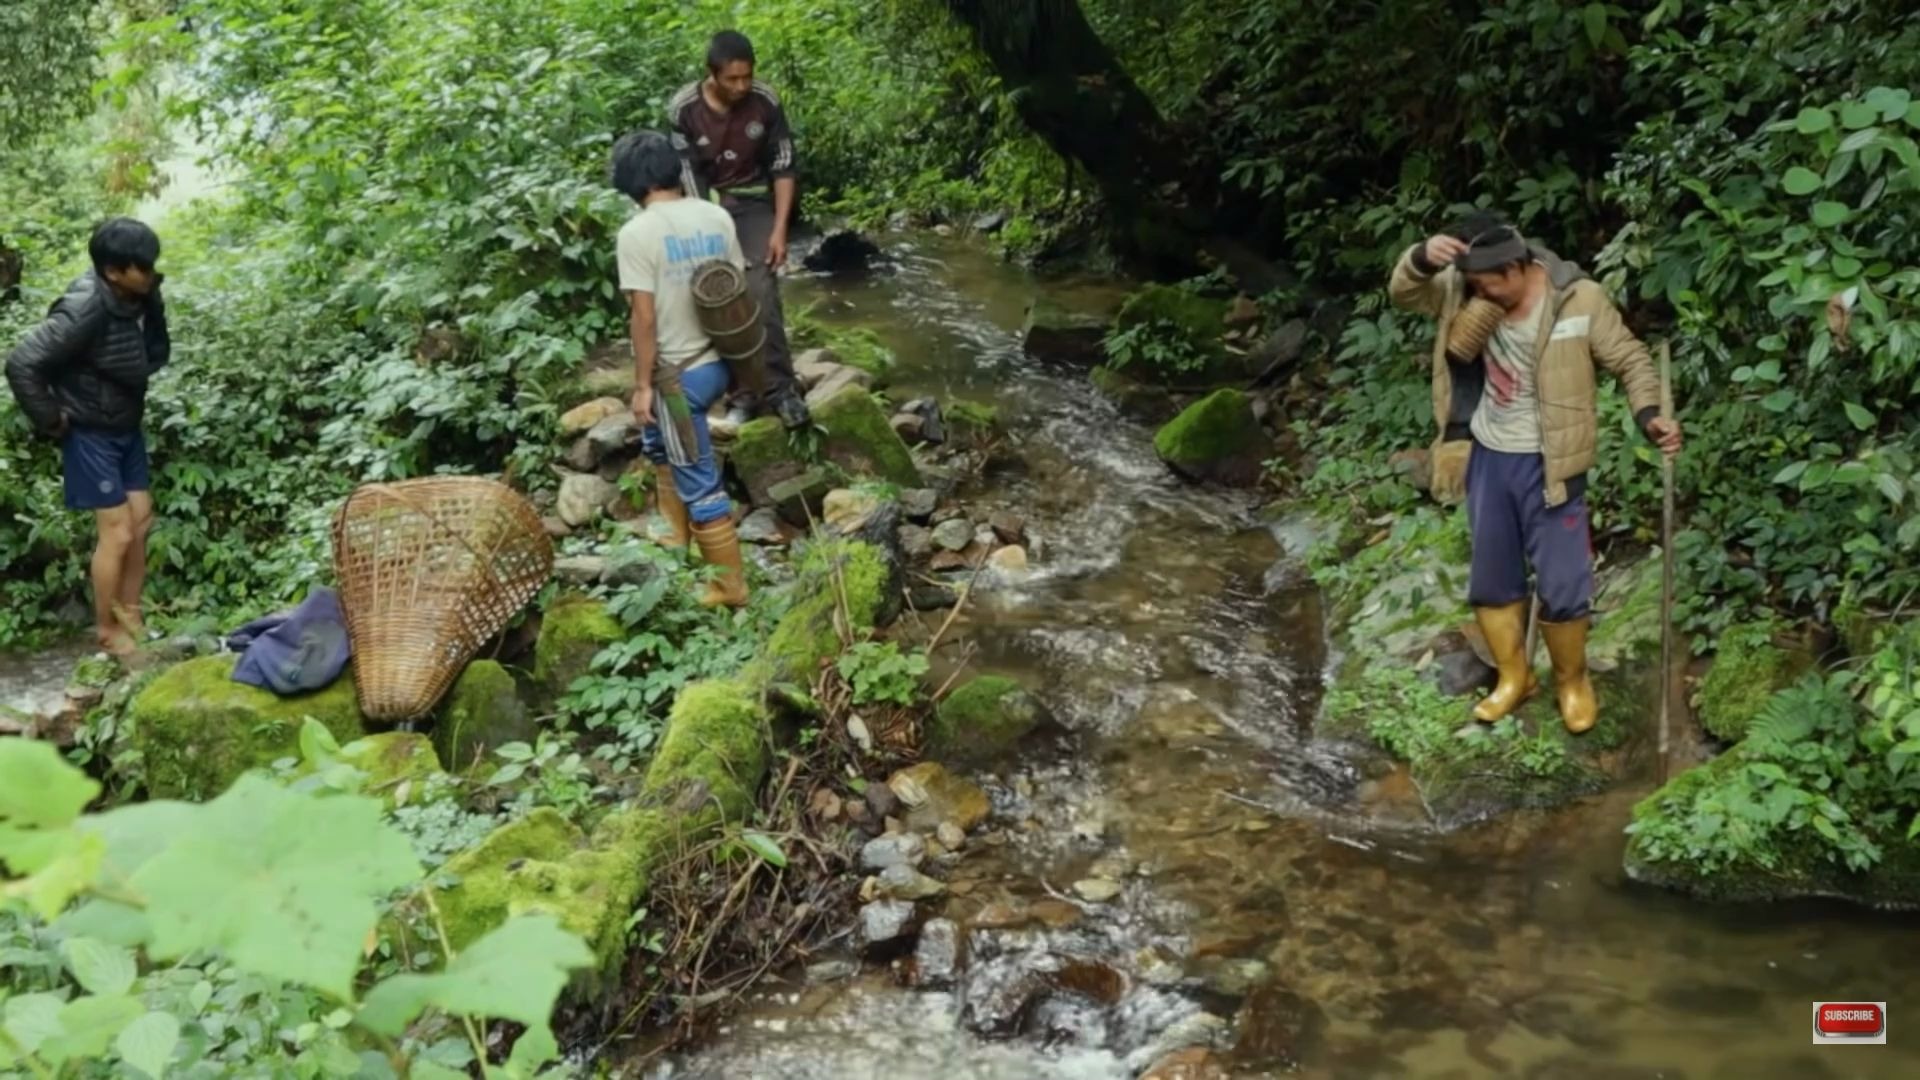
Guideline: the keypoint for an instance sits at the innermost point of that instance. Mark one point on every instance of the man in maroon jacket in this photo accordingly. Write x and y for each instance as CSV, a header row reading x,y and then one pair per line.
x,y
739,151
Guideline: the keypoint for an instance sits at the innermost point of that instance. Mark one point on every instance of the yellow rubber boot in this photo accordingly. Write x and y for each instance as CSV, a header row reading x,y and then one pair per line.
x,y
1567,645
720,546
1505,628
672,510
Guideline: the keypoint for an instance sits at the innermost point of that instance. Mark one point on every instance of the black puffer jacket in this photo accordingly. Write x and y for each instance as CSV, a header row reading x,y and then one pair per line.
x,y
91,359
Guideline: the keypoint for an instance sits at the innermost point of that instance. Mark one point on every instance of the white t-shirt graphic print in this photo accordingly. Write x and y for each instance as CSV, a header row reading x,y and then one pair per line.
x,y
659,249
1508,416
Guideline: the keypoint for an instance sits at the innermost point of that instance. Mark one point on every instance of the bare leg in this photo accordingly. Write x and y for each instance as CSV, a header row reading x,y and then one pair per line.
x,y
133,570
109,557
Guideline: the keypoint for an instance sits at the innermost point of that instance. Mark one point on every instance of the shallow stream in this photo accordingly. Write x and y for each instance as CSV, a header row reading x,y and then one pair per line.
x,y
1175,635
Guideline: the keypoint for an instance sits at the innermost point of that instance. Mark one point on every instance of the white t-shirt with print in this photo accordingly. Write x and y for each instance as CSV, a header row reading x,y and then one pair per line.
x,y
1508,416
659,248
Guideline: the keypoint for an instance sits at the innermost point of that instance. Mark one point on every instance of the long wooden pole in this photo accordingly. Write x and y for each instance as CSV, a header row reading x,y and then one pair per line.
x,y
1666,567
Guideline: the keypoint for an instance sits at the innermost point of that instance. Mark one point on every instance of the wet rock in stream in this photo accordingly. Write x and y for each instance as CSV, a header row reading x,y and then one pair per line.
x,y
938,957
894,849
887,926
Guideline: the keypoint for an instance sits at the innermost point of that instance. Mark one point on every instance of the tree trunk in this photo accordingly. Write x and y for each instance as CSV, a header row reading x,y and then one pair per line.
x,y
1072,93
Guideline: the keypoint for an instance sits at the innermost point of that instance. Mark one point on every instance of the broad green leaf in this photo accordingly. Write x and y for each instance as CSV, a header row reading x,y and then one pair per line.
x,y
1857,114
1861,418
38,787
32,1019
1826,828
1778,401
427,1070
108,921
535,1047
1812,121
1846,266
1889,101
1801,181
88,1026
1829,214
318,747
514,973
1913,115
766,847
133,834
50,884
99,967
1859,140
1595,17
148,1043
1891,487
283,883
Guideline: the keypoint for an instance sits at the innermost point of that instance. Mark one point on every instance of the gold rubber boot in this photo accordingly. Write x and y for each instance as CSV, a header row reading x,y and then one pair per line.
x,y
1567,645
720,546
1505,628
672,510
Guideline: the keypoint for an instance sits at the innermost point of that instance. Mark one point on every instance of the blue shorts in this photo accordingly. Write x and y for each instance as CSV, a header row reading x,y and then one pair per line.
x,y
100,467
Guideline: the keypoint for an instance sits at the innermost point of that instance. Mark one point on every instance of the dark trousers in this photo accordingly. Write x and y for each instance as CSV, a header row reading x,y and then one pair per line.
x,y
1513,529
753,220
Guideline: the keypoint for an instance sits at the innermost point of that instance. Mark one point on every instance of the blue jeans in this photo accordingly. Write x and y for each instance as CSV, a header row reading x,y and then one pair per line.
x,y
699,483
1513,528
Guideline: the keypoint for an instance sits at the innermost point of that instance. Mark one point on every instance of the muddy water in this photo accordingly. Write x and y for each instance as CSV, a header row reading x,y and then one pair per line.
x,y
1174,635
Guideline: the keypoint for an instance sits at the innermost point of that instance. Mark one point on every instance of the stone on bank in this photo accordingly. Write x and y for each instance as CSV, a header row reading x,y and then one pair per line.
x,y
482,713
982,719
197,730
1216,439
572,633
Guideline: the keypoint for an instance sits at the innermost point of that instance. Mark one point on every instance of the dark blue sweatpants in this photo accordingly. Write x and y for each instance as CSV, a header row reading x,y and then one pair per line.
x,y
1514,529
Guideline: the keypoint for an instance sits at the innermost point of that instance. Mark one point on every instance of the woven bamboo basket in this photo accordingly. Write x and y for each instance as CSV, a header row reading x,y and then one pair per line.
x,y
731,317
1472,328
429,571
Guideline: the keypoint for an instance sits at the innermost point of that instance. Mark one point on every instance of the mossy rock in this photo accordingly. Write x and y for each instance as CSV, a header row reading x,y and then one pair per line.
x,y
763,455
861,440
1058,335
1142,401
1217,440
197,730
806,636
397,765
1801,868
715,750
973,422
482,713
1182,324
572,633
859,347
508,874
984,718
1748,668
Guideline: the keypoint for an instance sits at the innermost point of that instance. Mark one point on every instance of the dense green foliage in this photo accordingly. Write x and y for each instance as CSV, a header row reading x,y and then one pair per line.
x,y
203,939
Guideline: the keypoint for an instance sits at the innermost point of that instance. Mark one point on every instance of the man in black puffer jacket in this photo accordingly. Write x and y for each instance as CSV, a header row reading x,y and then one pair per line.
x,y
81,378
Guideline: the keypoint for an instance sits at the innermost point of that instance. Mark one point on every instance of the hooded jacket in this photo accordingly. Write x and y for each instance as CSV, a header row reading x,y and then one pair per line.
x,y
91,359
1580,327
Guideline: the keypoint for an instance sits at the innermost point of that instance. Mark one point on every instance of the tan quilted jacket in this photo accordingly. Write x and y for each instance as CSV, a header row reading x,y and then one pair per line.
x,y
1586,329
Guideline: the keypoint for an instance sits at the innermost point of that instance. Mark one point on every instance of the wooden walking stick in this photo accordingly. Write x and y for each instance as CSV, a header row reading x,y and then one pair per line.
x,y
1666,565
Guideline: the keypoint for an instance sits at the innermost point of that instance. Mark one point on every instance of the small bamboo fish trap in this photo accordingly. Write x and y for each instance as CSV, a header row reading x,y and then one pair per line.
x,y
429,571
731,317
1472,328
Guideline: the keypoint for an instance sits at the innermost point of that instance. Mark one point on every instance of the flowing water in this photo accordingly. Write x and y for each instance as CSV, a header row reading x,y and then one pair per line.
x,y
1173,632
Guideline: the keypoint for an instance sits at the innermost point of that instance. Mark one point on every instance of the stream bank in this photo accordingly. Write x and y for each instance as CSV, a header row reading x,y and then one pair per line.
x,y
1287,899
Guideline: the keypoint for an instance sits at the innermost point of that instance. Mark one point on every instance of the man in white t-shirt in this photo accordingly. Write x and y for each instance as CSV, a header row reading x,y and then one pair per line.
x,y
659,249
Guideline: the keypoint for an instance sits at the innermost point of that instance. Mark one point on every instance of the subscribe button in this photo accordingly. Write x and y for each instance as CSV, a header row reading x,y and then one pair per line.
x,y
1850,1021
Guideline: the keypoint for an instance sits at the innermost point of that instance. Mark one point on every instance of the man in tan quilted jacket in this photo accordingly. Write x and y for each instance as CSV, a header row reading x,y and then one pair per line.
x,y
1520,334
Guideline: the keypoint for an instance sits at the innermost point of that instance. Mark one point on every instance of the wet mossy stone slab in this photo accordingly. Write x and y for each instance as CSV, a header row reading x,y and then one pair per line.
x,y
197,730
763,456
482,713
1216,440
860,439
572,632
1801,867
983,719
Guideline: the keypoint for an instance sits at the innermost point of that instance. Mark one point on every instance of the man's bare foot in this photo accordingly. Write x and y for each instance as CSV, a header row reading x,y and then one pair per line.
x,y
116,641
131,620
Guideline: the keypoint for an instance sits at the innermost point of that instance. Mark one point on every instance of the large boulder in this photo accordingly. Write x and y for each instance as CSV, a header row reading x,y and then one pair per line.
x,y
1057,335
984,718
1748,668
763,456
482,713
1217,439
807,635
197,730
572,633
1177,339
860,440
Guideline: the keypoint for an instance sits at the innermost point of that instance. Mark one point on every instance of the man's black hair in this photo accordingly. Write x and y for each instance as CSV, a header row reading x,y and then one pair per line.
x,y
727,47
122,242
1478,223
645,162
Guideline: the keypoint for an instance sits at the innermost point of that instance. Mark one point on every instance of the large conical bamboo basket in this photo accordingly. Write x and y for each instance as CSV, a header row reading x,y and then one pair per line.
x,y
429,571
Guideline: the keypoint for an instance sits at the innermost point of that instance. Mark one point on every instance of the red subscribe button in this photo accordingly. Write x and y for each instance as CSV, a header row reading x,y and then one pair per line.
x,y
1856,1019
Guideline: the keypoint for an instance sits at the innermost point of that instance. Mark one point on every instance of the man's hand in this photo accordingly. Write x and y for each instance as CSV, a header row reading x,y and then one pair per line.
x,y
777,249
1665,433
643,404
1441,250
60,428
